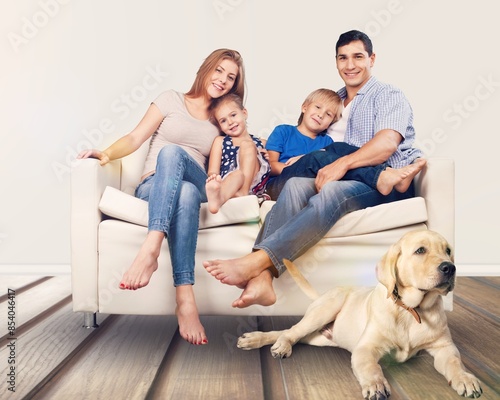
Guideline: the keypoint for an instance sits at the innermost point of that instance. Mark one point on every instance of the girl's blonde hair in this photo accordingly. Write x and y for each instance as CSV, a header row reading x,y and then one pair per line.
x,y
208,67
325,96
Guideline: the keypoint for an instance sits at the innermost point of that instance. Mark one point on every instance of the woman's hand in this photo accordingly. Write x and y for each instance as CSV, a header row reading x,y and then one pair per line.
x,y
93,153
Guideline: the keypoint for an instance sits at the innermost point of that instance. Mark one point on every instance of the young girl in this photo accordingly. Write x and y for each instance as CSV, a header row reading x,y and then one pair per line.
x,y
236,166
174,174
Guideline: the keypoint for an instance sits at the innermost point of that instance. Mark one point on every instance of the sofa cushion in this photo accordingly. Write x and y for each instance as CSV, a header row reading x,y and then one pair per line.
x,y
120,205
373,219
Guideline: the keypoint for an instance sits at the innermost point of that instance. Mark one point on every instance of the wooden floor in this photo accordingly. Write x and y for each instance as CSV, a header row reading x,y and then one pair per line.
x,y
143,357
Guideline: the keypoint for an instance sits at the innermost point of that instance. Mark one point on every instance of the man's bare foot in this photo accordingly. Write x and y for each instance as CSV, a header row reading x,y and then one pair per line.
x,y
190,327
258,291
237,272
214,195
399,179
145,263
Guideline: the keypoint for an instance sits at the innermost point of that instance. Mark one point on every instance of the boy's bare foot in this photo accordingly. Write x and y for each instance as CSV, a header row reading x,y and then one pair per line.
x,y
145,263
399,179
237,272
258,291
412,170
190,327
214,195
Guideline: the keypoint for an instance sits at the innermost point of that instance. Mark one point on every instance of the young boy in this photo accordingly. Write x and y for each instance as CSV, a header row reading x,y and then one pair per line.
x,y
287,144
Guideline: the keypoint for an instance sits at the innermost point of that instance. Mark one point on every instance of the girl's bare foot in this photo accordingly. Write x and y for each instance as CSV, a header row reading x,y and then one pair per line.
x,y
214,195
258,291
145,263
399,179
237,272
190,327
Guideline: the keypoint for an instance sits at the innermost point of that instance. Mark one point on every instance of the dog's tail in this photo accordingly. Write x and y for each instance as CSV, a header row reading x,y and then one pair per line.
x,y
301,281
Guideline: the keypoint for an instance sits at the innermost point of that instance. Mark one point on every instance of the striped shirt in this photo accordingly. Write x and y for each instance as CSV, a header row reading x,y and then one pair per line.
x,y
379,106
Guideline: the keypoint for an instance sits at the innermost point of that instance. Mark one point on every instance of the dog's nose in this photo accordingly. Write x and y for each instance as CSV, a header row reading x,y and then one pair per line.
x,y
447,268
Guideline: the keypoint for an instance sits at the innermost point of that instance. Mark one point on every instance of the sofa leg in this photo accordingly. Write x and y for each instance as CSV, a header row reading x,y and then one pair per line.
x,y
90,320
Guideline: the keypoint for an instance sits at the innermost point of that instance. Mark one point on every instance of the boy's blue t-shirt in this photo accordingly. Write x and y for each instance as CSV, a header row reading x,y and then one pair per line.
x,y
289,142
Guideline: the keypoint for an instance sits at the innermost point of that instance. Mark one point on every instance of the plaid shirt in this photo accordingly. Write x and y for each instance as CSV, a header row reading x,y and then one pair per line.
x,y
380,106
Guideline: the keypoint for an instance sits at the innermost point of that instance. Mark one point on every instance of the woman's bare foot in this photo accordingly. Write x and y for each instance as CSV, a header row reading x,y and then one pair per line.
x,y
259,291
145,263
237,272
214,195
399,179
190,327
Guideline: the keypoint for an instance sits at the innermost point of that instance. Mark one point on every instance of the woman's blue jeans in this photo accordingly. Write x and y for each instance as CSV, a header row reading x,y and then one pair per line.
x,y
302,216
174,194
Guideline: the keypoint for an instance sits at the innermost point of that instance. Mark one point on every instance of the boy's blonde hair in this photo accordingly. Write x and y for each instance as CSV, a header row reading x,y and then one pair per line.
x,y
324,96
220,101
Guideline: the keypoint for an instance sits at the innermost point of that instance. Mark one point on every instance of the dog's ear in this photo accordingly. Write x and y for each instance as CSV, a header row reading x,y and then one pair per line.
x,y
386,268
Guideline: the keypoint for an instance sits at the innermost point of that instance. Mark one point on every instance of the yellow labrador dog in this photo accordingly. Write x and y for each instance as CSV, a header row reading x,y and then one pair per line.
x,y
402,315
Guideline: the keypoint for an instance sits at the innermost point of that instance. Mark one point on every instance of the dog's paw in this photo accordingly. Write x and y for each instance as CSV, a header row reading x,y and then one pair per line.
x,y
376,390
249,341
467,385
281,349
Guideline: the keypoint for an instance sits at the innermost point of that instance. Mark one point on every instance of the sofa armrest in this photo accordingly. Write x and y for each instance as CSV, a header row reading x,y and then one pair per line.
x,y
436,184
88,181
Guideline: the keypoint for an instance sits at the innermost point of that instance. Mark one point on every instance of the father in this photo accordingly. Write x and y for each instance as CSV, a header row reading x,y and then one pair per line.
x,y
378,119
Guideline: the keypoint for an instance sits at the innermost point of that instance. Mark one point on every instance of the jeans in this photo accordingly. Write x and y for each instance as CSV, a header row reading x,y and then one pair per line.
x,y
174,194
309,165
302,216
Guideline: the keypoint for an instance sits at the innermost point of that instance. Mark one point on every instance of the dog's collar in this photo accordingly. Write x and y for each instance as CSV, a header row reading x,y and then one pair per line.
x,y
399,302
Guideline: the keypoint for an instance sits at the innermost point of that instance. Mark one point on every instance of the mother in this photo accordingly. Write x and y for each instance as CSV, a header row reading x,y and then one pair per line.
x,y
174,175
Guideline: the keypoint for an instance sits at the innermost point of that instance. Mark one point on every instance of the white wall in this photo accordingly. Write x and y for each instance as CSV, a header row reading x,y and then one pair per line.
x,y
74,72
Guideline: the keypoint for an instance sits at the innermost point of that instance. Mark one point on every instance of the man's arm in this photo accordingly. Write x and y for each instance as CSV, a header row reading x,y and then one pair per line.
x,y
373,152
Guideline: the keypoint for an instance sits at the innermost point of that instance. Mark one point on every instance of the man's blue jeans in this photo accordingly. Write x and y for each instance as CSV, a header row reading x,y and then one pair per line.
x,y
302,216
174,195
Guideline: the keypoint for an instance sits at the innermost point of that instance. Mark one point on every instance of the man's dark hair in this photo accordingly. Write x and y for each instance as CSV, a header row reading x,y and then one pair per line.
x,y
351,36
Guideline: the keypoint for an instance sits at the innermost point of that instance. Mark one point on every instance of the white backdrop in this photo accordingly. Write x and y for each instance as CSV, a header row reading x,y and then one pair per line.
x,y
80,73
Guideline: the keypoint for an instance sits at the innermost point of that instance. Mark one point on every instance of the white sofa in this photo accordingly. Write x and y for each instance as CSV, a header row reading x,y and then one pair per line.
x,y
108,225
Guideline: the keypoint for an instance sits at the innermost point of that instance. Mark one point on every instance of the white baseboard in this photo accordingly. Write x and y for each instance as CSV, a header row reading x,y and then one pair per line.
x,y
35,269
478,270
65,269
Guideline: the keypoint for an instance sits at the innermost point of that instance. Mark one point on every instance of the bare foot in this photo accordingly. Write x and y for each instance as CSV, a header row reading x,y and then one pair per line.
x,y
237,272
190,327
145,263
259,291
412,171
399,179
214,195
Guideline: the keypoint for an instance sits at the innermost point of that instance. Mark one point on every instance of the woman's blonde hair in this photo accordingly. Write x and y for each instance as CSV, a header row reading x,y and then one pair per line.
x,y
208,67
326,96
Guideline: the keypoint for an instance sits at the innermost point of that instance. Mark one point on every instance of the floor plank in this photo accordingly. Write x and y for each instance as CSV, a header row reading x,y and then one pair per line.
x,y
122,360
43,295
214,371
43,350
18,283
331,376
468,289
143,357
477,340
418,379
